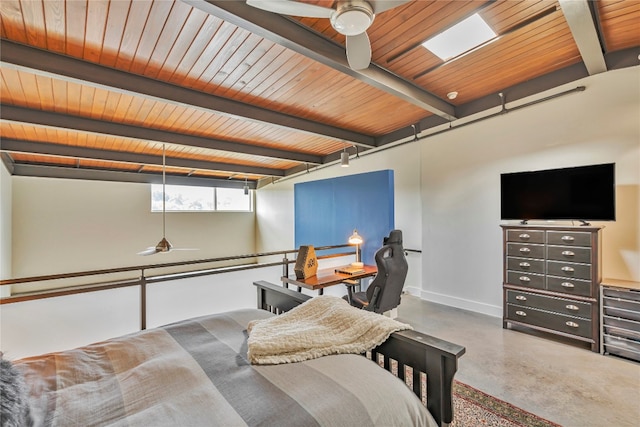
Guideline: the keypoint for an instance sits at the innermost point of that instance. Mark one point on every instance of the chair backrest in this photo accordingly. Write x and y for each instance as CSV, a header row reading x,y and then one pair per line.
x,y
385,290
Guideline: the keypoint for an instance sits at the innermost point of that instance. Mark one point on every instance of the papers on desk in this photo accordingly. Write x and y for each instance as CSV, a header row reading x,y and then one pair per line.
x,y
351,271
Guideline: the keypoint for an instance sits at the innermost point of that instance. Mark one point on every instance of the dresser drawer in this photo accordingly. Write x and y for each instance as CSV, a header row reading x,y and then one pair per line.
x,y
548,320
525,279
622,343
569,286
543,302
621,313
616,322
525,236
569,253
568,269
624,304
568,238
629,354
621,332
621,293
525,265
525,250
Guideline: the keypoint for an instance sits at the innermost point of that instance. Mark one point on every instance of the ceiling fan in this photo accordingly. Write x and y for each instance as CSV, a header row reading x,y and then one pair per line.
x,y
351,18
163,245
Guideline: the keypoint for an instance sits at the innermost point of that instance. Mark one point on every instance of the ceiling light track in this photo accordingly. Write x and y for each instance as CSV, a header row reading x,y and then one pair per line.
x,y
450,127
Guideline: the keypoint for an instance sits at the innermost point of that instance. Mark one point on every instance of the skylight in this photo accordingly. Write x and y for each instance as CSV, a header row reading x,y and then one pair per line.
x,y
463,36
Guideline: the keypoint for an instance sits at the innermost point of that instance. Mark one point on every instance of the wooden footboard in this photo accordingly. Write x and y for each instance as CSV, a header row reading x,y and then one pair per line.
x,y
422,354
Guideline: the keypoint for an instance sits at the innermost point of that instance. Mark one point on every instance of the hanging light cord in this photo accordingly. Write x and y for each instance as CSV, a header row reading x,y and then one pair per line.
x,y
163,190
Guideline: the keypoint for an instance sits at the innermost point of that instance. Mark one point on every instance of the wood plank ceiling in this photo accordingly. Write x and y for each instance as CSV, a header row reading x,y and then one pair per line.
x,y
94,89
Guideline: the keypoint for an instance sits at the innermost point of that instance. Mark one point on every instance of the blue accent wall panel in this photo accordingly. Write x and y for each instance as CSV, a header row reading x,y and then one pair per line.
x,y
327,211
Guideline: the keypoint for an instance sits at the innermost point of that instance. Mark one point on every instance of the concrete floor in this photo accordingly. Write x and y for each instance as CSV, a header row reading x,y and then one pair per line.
x,y
560,380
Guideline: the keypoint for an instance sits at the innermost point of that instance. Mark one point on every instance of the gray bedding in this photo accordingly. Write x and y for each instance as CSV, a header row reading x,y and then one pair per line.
x,y
196,373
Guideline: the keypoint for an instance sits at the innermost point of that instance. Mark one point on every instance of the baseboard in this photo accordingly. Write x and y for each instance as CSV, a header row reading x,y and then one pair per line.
x,y
465,304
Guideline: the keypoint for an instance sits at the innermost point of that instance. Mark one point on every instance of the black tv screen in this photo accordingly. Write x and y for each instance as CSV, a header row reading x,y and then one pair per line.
x,y
578,193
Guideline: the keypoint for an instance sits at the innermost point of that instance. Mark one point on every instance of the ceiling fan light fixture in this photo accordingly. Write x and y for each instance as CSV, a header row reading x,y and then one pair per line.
x,y
163,245
352,18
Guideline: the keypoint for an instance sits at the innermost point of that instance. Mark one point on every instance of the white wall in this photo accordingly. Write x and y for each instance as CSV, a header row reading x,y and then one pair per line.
x,y
62,225
5,227
462,264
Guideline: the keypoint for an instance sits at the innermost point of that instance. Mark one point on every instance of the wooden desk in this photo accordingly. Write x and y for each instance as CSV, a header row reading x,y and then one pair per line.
x,y
328,277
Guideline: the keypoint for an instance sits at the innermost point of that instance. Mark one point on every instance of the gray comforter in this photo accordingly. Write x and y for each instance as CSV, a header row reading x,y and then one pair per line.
x,y
196,373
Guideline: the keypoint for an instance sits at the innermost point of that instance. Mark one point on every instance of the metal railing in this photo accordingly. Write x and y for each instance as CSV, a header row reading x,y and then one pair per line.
x,y
144,279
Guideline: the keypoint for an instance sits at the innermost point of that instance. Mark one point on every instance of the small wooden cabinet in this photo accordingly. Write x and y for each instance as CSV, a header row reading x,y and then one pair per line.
x,y
552,278
621,318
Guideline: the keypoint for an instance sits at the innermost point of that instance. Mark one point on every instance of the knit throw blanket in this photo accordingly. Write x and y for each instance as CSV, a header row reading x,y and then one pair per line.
x,y
321,326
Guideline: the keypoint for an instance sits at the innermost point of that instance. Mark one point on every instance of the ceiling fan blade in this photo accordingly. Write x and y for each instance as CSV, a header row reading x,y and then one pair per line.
x,y
358,51
293,8
380,6
149,251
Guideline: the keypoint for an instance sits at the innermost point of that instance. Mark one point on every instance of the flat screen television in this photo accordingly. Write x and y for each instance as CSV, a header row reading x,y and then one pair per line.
x,y
583,193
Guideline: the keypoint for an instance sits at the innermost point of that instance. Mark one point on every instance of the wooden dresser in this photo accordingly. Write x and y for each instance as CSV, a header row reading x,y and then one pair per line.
x,y
551,280
621,318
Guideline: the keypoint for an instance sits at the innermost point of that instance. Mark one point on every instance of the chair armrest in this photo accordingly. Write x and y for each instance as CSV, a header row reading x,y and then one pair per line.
x,y
349,282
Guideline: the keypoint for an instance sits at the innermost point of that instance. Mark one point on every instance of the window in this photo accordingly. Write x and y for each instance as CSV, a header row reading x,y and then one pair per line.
x,y
458,39
232,199
183,198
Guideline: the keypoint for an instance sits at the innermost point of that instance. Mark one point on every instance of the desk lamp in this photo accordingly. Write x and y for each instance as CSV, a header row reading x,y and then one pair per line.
x,y
356,239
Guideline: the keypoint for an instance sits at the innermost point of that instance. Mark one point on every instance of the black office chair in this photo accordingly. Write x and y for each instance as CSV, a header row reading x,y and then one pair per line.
x,y
383,293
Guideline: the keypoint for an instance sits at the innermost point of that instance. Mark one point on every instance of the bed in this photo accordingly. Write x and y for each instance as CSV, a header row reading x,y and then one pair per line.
x,y
196,373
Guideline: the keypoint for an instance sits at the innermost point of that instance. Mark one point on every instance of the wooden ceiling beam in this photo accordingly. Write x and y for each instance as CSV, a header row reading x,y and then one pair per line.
x,y
48,171
82,124
31,147
584,31
298,38
7,161
70,69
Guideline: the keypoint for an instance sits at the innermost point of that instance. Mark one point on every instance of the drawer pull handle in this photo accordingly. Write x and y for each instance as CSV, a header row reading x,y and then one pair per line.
x,y
572,307
521,297
572,324
524,279
524,236
567,238
521,313
568,269
525,250
568,285
568,253
525,264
